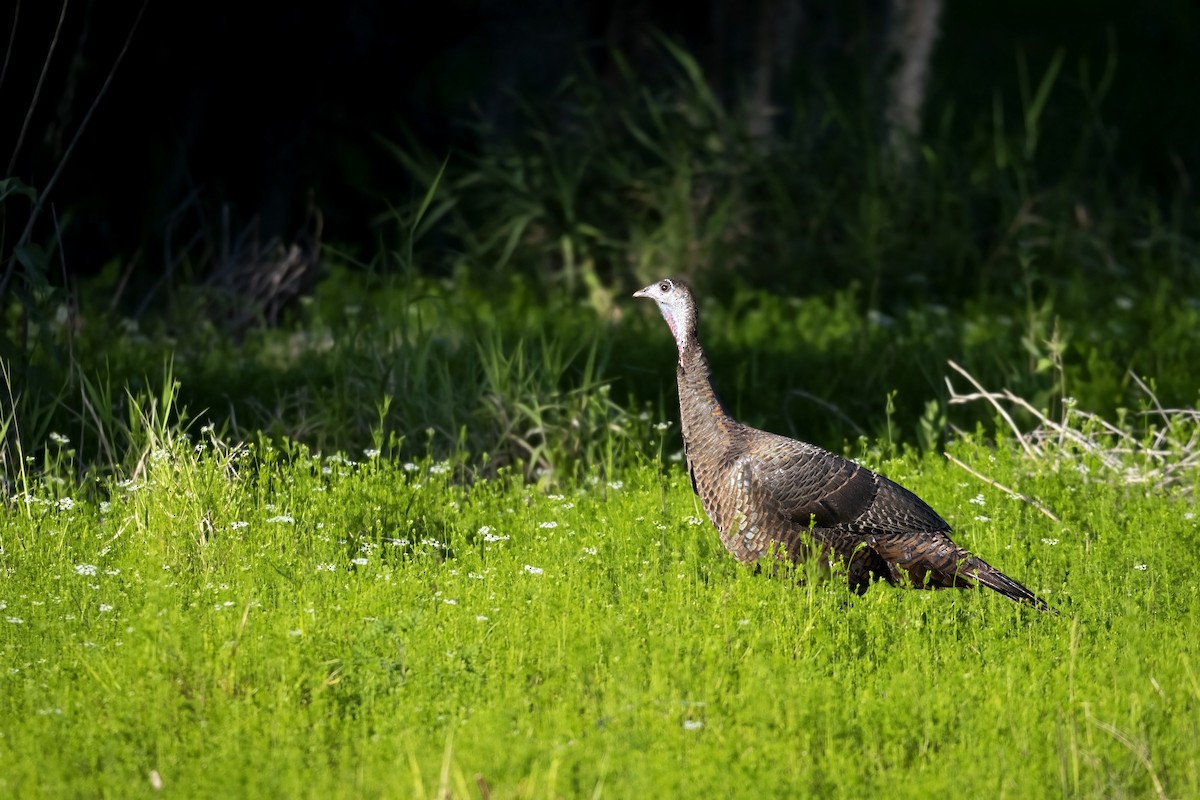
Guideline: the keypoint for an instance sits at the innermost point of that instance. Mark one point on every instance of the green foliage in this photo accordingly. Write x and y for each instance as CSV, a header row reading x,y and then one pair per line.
x,y
444,366
834,287
549,383
1021,253
621,179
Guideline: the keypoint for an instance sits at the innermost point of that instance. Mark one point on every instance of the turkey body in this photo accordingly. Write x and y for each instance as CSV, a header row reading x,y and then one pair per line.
x,y
767,494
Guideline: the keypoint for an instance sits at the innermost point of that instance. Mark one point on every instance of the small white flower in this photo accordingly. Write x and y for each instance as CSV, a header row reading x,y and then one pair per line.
x,y
370,452
59,439
591,551
410,467
551,524
1141,567
439,469
450,601
692,519
1050,542
238,525
983,518
326,567
14,620
662,426
480,618
488,536
534,570
105,607
281,518
85,569
65,504
977,500
692,724
362,562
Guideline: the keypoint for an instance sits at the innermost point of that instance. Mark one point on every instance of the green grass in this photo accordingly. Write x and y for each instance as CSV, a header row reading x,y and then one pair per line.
x,y
271,622
546,383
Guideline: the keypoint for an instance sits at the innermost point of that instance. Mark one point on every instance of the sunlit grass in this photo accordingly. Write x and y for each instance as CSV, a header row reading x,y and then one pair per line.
x,y
278,622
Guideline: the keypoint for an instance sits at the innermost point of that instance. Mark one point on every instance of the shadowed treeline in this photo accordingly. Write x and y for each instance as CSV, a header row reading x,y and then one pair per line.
x,y
269,110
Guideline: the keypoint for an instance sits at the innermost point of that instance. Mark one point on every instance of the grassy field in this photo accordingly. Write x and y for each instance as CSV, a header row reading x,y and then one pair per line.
x,y
266,621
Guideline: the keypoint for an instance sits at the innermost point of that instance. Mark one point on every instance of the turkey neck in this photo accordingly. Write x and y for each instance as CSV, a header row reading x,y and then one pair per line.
x,y
702,415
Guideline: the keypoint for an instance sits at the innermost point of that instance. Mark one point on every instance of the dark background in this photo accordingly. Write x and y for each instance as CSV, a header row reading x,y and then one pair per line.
x,y
259,111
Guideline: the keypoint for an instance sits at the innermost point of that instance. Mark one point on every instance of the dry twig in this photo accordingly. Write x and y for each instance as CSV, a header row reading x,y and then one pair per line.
x,y
1162,455
1023,497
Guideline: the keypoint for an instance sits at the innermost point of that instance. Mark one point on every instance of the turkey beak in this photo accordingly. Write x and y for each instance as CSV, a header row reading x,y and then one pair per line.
x,y
642,292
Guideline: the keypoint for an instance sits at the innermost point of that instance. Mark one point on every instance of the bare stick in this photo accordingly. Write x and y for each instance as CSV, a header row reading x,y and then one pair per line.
x,y
37,90
12,37
62,162
991,399
1003,488
830,407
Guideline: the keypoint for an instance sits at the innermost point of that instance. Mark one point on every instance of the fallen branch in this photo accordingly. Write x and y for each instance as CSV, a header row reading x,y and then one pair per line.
x,y
1162,456
1023,497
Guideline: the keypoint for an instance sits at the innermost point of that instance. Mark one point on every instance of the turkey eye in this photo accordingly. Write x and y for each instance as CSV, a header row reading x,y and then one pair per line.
x,y
665,286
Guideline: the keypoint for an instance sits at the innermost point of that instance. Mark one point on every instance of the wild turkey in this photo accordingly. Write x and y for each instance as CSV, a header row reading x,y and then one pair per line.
x,y
766,492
